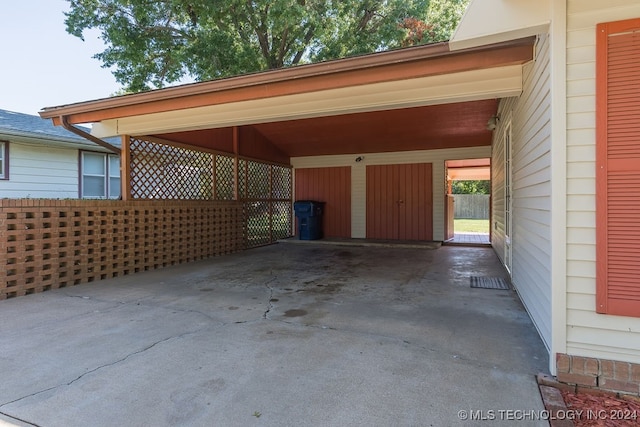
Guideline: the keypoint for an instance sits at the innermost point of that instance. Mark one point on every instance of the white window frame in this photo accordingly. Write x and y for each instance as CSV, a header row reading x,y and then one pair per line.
x,y
107,177
111,174
4,160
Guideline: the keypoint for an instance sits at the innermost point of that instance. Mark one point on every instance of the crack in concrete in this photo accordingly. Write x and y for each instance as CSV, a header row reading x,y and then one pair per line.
x,y
140,302
114,303
84,297
106,365
265,315
19,419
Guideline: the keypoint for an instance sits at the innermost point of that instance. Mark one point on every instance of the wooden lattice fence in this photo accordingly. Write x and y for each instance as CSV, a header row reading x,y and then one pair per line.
x,y
159,170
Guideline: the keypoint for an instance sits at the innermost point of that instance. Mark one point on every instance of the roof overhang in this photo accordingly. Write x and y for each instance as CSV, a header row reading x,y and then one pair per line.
x,y
442,89
420,76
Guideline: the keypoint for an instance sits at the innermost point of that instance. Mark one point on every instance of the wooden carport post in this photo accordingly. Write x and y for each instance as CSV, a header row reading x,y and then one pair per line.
x,y
271,202
125,168
236,184
236,165
449,209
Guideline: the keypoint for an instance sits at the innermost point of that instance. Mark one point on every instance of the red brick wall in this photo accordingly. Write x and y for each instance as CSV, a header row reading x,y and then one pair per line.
x,y
48,244
604,374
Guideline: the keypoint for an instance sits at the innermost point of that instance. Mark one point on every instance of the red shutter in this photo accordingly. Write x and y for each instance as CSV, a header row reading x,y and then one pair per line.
x,y
618,168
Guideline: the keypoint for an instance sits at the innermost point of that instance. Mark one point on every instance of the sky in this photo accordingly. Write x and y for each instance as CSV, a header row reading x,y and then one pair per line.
x,y
41,65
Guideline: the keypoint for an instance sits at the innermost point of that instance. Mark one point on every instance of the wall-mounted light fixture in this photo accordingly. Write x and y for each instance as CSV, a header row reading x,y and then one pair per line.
x,y
359,159
492,124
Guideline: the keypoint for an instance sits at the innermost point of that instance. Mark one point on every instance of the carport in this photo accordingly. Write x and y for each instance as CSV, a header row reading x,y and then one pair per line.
x,y
286,334
368,135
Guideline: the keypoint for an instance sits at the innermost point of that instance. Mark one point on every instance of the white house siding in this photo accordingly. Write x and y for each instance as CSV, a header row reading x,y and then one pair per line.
x,y
36,171
497,178
358,178
588,333
530,116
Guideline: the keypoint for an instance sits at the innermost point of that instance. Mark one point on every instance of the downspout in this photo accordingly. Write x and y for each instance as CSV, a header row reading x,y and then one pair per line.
x,y
83,134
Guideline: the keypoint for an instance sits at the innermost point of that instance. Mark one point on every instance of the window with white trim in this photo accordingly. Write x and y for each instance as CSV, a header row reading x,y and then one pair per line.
x,y
99,175
4,151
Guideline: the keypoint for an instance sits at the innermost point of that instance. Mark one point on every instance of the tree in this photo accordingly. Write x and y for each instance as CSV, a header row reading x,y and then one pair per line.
x,y
471,187
152,43
444,15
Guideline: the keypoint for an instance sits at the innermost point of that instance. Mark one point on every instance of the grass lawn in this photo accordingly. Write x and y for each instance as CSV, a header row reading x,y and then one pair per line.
x,y
471,225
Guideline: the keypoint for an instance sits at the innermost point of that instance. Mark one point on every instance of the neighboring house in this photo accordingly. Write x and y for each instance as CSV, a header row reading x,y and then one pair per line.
x,y
558,83
39,160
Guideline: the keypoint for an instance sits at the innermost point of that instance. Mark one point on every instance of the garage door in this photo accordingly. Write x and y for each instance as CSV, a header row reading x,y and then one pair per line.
x,y
332,186
400,202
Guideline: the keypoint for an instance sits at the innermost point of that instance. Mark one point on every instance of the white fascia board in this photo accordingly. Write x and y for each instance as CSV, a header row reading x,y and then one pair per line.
x,y
443,89
494,21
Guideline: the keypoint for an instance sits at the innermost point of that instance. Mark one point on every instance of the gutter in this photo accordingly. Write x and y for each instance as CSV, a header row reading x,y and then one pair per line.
x,y
83,134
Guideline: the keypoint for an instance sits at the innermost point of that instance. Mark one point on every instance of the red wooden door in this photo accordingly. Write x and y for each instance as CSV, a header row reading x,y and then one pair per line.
x,y
333,187
400,202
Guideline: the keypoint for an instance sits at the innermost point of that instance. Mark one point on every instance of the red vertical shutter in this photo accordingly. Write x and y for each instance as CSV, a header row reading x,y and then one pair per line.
x,y
618,168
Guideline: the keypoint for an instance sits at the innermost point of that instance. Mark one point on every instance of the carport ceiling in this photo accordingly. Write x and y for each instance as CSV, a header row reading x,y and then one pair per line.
x,y
435,126
431,127
468,169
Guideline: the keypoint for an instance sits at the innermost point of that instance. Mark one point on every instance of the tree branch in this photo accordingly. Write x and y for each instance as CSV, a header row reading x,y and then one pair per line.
x,y
283,47
262,32
307,39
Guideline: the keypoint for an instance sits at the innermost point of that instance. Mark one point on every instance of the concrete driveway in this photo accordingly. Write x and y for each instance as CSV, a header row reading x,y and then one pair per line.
x,y
286,335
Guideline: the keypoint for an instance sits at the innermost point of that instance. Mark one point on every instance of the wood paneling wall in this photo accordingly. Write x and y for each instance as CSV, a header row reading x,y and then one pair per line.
x,y
333,187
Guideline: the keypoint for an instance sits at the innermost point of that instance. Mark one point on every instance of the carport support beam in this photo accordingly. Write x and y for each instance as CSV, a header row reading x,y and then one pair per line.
x,y
270,202
236,149
125,168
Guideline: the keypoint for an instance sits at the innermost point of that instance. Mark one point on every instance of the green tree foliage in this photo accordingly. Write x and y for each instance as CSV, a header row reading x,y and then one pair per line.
x,y
471,187
444,15
151,43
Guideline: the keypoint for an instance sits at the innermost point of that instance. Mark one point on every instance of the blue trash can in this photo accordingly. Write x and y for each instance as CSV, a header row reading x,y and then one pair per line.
x,y
309,214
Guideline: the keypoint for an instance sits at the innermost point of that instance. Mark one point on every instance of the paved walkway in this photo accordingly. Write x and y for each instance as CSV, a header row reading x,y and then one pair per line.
x,y
285,335
471,238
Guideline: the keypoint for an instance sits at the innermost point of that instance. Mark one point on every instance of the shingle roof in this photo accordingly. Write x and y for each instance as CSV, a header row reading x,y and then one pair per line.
x,y
26,125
